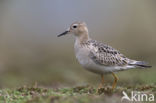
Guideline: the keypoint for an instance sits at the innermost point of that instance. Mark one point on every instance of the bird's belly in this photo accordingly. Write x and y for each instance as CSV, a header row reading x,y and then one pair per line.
x,y
91,66
88,64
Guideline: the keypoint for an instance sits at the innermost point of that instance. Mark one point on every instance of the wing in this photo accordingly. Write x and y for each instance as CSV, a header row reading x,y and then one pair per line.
x,y
106,55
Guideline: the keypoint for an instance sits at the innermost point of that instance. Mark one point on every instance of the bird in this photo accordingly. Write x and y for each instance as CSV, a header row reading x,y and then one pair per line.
x,y
98,57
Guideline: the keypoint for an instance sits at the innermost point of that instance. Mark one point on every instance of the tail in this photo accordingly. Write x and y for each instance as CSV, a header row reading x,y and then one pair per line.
x,y
141,64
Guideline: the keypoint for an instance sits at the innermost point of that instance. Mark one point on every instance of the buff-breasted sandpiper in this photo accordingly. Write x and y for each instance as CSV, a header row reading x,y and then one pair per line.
x,y
97,57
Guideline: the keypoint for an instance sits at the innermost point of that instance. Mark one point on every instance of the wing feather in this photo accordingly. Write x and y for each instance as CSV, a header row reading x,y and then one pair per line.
x,y
106,55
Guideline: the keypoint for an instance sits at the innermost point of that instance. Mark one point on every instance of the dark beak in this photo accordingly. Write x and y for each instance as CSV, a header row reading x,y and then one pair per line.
x,y
64,33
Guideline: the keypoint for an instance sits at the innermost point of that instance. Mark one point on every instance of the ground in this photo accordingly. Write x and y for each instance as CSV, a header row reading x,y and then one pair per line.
x,y
79,94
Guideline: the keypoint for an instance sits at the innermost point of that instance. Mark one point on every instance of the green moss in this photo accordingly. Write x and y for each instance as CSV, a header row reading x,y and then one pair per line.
x,y
79,94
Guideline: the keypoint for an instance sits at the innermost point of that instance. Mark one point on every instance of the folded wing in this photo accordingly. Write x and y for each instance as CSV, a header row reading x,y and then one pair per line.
x,y
106,55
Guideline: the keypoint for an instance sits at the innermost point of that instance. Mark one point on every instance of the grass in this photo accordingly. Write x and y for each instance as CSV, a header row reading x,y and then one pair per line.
x,y
79,94
129,81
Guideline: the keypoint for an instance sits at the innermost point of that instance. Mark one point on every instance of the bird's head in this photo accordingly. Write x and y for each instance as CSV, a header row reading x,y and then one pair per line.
x,y
77,28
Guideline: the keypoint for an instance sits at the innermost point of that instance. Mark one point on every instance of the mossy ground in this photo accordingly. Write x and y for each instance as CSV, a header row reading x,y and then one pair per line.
x,y
79,94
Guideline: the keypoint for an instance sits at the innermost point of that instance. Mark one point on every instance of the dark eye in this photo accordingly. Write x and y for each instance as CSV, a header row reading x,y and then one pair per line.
x,y
74,26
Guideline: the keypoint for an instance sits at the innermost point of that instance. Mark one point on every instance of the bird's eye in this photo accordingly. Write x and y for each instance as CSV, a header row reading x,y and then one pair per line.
x,y
74,26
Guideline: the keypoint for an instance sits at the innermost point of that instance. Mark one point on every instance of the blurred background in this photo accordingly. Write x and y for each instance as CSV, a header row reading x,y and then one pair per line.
x,y
31,52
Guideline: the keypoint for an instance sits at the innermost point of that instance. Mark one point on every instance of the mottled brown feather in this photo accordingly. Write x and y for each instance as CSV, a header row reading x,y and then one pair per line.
x,y
105,55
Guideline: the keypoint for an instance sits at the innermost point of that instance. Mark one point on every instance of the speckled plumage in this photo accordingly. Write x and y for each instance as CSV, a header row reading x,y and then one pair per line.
x,y
101,58
103,54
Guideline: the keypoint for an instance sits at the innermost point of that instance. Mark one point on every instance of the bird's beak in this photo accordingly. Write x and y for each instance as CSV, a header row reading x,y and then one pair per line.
x,y
64,33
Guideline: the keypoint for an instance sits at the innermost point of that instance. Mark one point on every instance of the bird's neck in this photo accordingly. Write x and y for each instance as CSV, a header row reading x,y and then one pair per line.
x,y
82,38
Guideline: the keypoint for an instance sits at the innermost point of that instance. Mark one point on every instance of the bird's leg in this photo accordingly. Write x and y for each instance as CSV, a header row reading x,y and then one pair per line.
x,y
115,81
102,82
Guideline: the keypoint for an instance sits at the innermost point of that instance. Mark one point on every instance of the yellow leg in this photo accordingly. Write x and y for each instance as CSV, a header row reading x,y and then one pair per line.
x,y
115,81
102,82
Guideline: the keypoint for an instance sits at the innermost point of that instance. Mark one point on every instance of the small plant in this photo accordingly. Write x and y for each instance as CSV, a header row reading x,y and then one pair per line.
x,y
79,94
